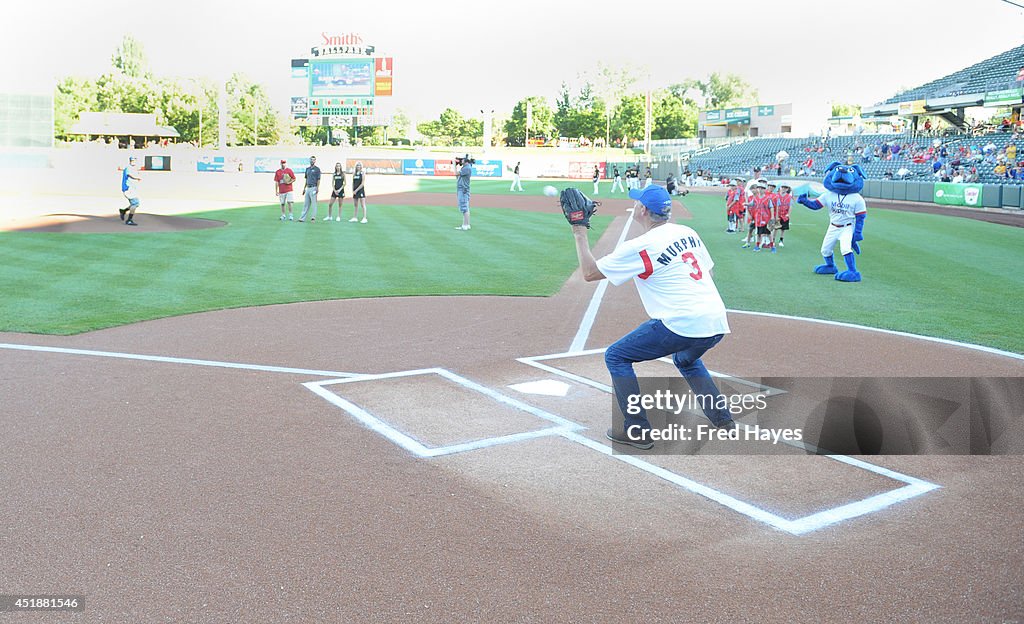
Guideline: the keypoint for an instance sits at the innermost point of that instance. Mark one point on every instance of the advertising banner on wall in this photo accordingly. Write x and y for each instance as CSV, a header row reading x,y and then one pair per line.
x,y
487,169
554,169
376,165
210,163
585,170
1006,97
957,194
418,167
270,164
444,168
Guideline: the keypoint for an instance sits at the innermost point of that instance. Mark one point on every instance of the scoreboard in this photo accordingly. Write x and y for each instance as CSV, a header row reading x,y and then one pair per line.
x,y
340,85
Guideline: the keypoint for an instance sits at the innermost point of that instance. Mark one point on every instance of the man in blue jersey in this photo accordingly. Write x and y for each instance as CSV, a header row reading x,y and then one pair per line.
x,y
130,187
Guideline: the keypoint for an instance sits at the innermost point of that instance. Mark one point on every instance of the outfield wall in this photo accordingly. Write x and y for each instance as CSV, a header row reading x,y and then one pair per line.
x,y
962,195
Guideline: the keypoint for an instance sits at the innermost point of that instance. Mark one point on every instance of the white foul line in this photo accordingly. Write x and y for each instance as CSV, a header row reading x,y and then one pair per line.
x,y
891,332
797,526
175,360
595,301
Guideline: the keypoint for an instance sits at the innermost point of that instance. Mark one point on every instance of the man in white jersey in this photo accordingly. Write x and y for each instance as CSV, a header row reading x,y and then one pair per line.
x,y
672,272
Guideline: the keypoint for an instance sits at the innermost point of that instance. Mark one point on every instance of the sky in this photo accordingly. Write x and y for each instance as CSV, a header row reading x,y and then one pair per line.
x,y
476,56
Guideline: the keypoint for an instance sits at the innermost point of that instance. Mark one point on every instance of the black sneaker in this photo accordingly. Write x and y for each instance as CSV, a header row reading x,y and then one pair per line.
x,y
122,211
130,222
643,443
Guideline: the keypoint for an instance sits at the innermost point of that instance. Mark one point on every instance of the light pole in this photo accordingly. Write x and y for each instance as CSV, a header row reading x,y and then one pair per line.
x,y
529,119
488,121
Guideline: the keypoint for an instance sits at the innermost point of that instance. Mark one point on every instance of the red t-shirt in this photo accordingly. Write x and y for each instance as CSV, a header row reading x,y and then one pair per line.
x,y
734,201
281,186
751,206
783,206
762,211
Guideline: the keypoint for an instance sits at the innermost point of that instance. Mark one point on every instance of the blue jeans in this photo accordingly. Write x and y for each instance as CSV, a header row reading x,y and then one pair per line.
x,y
651,341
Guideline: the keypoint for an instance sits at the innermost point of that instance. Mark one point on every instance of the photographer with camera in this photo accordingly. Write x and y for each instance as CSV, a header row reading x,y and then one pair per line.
x,y
464,166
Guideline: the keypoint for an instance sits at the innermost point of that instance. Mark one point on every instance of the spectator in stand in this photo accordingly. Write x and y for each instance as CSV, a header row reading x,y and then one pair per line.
x,y
927,126
888,175
1000,170
972,177
959,177
1011,152
1005,126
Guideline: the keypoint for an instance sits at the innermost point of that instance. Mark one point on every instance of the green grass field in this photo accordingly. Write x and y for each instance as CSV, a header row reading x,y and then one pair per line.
x,y
60,283
927,274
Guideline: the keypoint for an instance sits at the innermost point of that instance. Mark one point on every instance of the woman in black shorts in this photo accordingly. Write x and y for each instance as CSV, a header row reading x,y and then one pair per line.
x,y
358,192
337,191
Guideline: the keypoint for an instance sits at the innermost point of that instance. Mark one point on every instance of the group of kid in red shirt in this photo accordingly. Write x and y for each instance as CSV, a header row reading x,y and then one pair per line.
x,y
759,206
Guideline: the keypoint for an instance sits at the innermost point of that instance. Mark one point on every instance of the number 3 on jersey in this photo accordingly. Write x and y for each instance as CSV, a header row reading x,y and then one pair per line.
x,y
687,257
691,260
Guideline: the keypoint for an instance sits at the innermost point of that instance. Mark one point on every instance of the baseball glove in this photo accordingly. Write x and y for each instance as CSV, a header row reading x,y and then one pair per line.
x,y
773,225
577,207
287,179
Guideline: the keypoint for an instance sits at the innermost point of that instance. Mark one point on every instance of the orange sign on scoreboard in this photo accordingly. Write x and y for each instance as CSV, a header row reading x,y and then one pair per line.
x,y
382,84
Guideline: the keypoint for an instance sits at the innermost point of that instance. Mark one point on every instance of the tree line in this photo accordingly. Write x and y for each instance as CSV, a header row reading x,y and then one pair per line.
x,y
607,105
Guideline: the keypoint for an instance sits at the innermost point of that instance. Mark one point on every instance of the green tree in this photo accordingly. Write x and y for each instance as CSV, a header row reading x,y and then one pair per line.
x,y
840,109
675,116
130,59
400,126
628,122
543,122
250,109
472,132
452,123
580,116
314,135
611,84
721,91
72,97
369,135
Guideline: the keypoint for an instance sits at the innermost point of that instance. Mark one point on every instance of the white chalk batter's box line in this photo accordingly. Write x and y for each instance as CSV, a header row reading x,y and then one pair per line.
x,y
417,448
795,526
535,361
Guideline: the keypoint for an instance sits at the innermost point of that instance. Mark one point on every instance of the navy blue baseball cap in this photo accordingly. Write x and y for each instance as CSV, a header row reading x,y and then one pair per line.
x,y
655,198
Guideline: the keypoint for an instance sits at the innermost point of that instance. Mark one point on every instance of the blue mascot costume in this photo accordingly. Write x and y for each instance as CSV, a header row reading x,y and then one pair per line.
x,y
847,212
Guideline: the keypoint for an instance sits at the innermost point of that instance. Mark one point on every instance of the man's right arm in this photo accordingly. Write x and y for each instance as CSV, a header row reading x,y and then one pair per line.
x,y
588,264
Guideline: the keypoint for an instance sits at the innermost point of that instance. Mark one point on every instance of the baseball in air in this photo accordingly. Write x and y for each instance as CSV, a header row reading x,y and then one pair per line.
x,y
550,191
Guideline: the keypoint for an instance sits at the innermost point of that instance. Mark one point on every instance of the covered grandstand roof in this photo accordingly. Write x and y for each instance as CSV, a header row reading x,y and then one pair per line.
x,y
121,124
994,74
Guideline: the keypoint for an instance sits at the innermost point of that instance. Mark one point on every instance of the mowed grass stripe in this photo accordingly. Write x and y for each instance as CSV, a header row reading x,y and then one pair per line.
x,y
68,283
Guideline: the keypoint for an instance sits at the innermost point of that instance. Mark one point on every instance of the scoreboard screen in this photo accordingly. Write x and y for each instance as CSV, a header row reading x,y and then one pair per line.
x,y
338,77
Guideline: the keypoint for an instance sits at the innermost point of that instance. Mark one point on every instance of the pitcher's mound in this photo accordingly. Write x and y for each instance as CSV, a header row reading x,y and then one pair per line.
x,y
92,224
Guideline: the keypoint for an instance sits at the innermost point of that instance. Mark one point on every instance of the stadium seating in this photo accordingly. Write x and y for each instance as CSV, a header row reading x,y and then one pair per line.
x,y
989,75
739,160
